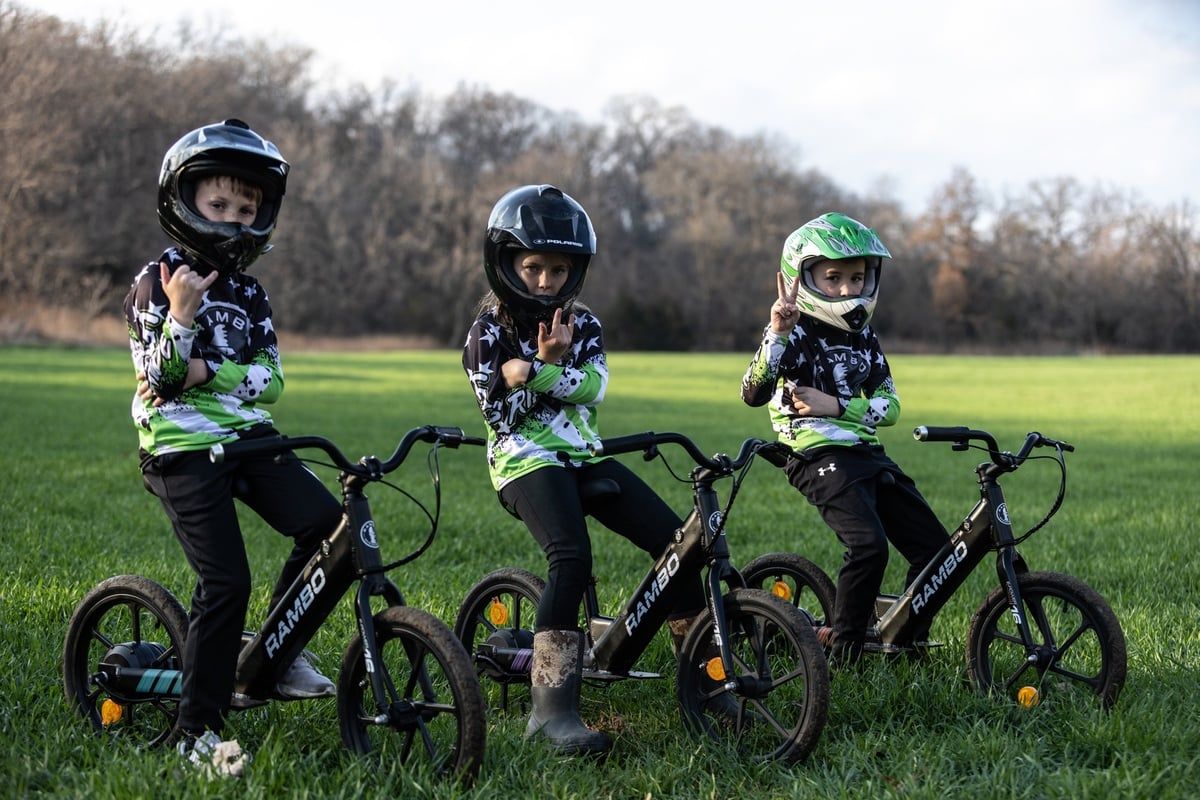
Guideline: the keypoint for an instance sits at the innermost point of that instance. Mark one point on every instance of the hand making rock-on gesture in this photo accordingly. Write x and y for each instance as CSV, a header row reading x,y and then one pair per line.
x,y
806,400
784,312
185,291
553,340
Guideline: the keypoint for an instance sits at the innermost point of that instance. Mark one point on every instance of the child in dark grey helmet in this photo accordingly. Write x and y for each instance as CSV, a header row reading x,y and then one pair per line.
x,y
820,369
207,361
536,361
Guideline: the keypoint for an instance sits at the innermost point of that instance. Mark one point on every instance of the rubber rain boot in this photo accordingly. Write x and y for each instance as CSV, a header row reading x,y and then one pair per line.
x,y
555,688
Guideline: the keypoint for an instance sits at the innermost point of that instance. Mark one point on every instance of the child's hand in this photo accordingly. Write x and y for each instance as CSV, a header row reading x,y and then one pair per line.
x,y
197,374
185,289
810,402
555,338
515,372
785,313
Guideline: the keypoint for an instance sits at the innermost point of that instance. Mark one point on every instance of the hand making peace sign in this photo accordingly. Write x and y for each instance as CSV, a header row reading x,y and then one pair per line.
x,y
784,312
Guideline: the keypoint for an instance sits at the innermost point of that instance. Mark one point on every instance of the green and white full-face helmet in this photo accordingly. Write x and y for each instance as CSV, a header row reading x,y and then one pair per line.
x,y
832,237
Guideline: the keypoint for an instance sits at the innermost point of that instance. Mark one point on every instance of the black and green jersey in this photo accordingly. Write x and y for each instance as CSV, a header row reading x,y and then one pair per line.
x,y
552,418
848,366
232,333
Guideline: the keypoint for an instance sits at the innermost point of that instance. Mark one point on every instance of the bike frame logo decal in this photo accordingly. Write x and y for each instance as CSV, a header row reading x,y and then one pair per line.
x,y
715,520
653,593
303,601
1002,513
367,534
922,595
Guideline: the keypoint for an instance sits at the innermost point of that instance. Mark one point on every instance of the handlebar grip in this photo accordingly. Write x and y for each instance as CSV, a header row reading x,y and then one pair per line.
x,y
935,433
241,448
623,444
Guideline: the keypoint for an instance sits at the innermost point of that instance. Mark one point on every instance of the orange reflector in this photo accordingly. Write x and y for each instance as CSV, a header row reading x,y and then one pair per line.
x,y
1028,696
497,612
110,712
781,589
715,669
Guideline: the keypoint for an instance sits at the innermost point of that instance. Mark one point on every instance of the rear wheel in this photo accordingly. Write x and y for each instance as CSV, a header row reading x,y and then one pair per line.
x,y
1078,644
793,579
129,622
434,702
500,611
779,708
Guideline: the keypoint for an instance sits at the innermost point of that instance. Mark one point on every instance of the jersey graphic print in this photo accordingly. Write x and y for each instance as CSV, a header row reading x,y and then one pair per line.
x,y
848,366
231,334
552,418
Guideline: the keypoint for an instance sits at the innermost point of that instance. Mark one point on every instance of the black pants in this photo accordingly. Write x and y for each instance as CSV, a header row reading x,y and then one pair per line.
x,y
548,501
868,501
198,497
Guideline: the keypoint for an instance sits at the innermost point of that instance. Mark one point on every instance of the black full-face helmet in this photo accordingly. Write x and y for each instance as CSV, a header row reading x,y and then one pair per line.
x,y
542,218
227,148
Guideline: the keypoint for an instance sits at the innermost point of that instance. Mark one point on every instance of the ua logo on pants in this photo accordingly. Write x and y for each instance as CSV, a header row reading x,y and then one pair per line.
x,y
831,468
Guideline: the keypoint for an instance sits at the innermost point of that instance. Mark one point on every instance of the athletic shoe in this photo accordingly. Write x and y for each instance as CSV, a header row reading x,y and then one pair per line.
x,y
213,757
302,681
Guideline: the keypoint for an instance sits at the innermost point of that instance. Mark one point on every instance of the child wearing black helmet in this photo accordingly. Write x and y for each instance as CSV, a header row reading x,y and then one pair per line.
x,y
822,371
206,358
536,361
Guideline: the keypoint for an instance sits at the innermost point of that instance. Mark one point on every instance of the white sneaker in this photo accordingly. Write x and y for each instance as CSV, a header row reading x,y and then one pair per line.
x,y
213,757
303,681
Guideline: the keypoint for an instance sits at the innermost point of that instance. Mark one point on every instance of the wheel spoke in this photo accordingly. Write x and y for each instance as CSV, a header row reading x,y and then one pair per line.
x,y
1084,626
135,612
96,634
1092,681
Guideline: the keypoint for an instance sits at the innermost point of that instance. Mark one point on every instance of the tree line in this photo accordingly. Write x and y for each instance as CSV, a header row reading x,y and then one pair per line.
x,y
382,228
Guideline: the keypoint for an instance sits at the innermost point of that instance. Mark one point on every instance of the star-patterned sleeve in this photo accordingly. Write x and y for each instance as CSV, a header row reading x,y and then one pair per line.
x,y
759,382
260,380
160,346
878,404
503,409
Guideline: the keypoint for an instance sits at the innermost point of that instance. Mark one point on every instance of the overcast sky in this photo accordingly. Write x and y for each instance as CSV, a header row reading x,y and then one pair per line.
x,y
1106,91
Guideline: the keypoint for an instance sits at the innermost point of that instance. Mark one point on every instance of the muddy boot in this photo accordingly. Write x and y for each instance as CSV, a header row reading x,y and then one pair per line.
x,y
725,704
555,685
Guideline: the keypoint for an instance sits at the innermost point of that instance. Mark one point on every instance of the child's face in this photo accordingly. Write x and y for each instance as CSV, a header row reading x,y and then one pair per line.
x,y
542,273
218,201
844,278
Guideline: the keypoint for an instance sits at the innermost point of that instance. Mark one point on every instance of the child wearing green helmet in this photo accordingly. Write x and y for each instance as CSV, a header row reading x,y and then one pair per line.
x,y
822,373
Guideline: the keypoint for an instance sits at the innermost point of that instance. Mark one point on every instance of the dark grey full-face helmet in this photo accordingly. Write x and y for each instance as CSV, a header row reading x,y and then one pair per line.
x,y
228,148
541,218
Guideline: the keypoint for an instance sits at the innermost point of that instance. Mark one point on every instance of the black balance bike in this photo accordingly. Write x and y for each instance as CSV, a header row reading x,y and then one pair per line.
x,y
1036,634
748,646
404,671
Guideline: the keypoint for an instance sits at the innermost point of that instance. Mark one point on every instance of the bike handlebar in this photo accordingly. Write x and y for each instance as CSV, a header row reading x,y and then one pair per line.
x,y
960,436
368,467
645,442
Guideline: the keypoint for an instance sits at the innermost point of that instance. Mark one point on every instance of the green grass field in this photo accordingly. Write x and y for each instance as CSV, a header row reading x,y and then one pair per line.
x,y
74,513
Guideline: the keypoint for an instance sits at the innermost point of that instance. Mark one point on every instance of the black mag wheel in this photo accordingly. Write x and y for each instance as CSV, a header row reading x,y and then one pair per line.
x,y
1078,643
780,712
124,621
435,715
795,580
501,609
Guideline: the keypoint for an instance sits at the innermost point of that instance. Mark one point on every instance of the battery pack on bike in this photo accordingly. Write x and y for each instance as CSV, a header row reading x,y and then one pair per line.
x,y
137,683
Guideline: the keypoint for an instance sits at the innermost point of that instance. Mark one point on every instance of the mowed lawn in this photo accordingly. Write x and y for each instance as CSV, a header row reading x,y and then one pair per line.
x,y
74,512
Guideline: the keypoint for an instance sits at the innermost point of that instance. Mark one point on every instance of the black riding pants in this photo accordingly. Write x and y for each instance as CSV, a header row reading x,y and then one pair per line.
x,y
548,501
198,497
868,501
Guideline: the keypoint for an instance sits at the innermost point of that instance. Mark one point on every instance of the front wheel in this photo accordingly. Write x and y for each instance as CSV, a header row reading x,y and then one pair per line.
x,y
434,701
1078,644
779,706
793,579
126,622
